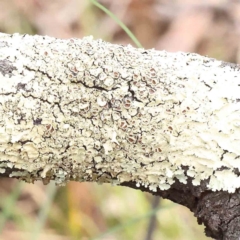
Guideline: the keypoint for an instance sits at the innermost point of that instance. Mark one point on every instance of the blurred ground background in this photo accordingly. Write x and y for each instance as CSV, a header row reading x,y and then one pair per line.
x,y
89,211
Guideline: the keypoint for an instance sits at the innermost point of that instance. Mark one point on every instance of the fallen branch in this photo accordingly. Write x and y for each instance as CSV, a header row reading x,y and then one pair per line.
x,y
86,110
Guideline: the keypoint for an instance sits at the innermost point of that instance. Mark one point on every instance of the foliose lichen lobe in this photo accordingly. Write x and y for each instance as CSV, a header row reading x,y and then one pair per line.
x,y
88,110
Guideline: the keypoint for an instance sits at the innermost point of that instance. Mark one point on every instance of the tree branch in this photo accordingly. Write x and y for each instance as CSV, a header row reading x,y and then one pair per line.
x,y
85,110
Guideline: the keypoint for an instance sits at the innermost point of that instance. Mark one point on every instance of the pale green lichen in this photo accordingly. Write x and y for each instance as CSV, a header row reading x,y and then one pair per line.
x,y
92,111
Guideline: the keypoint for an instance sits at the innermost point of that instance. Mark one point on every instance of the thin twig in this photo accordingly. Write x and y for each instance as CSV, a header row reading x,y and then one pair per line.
x,y
152,222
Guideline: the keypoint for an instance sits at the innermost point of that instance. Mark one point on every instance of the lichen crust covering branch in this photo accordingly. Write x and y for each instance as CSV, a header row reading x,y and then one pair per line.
x,y
88,110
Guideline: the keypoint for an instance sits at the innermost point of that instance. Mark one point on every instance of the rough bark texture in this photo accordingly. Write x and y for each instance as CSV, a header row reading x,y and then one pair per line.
x,y
88,110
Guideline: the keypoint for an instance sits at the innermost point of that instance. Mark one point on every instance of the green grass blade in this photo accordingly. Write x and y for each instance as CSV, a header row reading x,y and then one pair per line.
x,y
119,22
9,204
129,223
42,217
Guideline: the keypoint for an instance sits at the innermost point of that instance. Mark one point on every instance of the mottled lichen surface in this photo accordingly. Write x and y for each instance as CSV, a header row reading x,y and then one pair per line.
x,y
87,110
